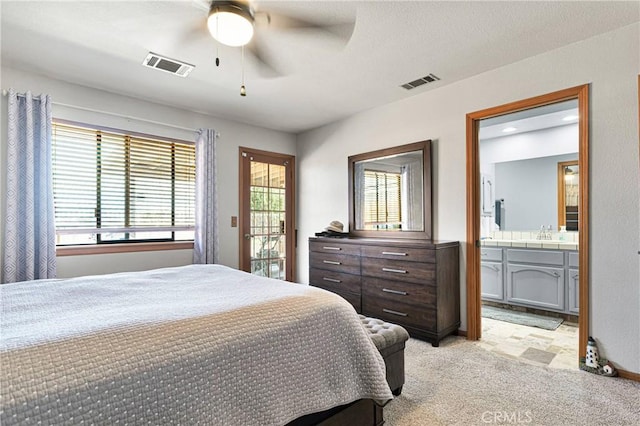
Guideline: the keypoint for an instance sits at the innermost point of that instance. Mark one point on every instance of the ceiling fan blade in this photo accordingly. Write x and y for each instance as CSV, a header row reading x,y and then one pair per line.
x,y
264,64
194,33
280,21
201,4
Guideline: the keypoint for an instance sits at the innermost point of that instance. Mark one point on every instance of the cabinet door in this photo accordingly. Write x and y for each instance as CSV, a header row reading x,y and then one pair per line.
x,y
536,286
492,281
574,292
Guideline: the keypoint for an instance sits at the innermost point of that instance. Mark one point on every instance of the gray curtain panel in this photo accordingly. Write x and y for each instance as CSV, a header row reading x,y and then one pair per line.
x,y
29,244
205,242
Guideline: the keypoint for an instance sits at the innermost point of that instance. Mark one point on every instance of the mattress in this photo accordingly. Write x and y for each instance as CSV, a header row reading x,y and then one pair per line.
x,y
199,344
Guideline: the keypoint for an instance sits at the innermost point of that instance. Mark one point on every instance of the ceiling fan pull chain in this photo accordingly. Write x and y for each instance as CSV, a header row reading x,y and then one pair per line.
x,y
243,90
217,46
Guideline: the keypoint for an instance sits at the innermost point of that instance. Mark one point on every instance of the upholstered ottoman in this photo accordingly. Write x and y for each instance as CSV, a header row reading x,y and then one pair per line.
x,y
390,340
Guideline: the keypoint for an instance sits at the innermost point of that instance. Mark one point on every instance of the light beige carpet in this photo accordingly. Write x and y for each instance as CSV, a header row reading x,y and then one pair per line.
x,y
460,383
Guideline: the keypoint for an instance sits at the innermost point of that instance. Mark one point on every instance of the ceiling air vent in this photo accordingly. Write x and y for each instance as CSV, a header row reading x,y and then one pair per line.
x,y
419,82
162,63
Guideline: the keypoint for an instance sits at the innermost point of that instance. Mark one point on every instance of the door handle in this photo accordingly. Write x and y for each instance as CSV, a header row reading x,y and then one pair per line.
x,y
247,236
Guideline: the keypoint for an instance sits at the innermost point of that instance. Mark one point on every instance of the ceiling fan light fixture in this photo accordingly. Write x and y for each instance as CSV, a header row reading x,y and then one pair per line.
x,y
231,23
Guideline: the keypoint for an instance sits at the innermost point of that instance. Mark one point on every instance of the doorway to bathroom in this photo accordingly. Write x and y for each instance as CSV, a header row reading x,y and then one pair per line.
x,y
527,220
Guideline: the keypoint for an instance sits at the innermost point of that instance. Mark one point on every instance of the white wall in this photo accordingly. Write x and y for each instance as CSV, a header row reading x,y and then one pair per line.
x,y
610,63
232,135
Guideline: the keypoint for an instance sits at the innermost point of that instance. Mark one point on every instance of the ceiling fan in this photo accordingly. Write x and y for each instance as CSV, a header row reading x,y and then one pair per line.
x,y
235,23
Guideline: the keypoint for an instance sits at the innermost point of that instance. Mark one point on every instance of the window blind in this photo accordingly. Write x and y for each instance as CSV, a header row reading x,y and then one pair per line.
x,y
382,200
118,187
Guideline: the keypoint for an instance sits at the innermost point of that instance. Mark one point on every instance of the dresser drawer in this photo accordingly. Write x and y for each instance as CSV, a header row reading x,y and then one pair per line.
x,y
335,262
354,299
400,253
416,272
400,313
334,281
400,291
334,247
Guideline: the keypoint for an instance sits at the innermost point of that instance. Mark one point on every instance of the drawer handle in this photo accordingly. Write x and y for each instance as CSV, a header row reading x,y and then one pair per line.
x,y
388,290
397,271
389,311
332,248
393,253
332,280
331,262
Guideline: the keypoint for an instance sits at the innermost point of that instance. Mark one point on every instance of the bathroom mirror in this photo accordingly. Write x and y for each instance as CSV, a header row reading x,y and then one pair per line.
x,y
527,194
390,192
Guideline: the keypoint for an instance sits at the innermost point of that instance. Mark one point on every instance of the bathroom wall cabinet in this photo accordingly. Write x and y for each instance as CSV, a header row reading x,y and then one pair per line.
x,y
538,278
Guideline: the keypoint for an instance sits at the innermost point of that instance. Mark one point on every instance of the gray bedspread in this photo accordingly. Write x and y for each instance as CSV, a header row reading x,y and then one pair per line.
x,y
199,344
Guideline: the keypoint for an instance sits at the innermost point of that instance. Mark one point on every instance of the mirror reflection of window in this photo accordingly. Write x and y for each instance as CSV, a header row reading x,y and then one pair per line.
x,y
388,193
382,200
568,190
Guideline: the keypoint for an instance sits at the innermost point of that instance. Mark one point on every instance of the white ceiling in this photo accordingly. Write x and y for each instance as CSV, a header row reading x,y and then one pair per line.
x,y
102,45
544,117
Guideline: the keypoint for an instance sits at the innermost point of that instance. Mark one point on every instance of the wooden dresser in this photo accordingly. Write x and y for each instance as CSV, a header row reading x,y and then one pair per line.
x,y
413,283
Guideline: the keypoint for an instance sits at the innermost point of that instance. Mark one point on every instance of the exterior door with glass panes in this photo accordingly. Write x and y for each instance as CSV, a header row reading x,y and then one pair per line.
x,y
267,229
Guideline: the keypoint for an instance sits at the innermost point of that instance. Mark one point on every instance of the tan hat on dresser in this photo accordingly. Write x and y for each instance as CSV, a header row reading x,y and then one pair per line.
x,y
335,226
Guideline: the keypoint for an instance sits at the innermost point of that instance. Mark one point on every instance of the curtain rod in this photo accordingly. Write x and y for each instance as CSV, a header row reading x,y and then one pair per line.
x,y
115,114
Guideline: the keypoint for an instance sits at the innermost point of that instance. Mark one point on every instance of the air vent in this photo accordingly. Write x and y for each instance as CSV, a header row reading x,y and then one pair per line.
x,y
419,82
162,63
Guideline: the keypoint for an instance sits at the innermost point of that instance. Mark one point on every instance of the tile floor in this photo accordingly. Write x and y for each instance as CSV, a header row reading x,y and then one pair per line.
x,y
556,349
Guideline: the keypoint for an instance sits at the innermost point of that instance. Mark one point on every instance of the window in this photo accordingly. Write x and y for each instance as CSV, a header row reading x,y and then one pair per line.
x,y
114,187
382,200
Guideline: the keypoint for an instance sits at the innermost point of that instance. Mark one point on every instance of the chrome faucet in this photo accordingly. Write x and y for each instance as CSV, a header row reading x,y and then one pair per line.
x,y
544,233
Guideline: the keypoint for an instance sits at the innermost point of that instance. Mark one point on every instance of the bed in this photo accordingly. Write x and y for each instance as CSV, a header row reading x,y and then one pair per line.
x,y
199,344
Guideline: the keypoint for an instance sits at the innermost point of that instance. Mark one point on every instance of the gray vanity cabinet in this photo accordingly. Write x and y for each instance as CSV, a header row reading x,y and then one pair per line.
x,y
574,295
536,278
533,277
573,303
539,286
492,274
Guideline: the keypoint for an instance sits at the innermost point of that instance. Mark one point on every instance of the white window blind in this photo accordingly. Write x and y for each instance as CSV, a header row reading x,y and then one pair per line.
x,y
117,187
382,200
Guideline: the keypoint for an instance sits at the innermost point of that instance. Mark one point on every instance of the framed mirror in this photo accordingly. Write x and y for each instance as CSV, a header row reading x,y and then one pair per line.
x,y
390,192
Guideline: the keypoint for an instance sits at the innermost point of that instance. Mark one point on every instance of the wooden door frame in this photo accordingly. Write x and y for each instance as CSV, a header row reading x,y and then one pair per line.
x,y
290,206
581,93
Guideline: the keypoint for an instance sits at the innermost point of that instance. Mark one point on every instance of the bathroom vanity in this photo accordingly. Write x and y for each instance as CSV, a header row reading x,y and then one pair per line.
x,y
530,276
